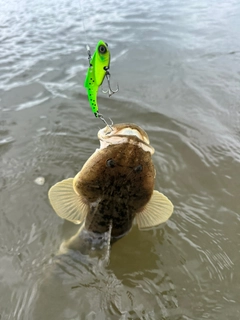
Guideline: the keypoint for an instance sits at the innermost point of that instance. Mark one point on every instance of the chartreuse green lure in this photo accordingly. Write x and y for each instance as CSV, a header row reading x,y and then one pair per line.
x,y
99,64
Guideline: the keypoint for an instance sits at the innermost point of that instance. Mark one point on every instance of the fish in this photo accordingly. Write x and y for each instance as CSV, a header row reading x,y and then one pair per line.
x,y
114,188
98,67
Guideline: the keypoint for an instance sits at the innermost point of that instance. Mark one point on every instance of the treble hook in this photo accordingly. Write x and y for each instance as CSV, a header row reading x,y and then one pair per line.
x,y
109,91
99,115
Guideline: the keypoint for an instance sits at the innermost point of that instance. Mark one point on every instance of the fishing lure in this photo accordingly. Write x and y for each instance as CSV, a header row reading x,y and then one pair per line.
x,y
99,65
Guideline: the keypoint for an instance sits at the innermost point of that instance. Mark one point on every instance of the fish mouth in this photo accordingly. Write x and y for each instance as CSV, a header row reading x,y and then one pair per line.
x,y
124,133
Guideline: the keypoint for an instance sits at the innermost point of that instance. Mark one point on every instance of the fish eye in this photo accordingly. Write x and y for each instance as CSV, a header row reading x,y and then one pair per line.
x,y
102,49
138,168
110,163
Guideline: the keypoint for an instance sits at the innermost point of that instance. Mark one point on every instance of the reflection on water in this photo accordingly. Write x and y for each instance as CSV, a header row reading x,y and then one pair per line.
x,y
177,65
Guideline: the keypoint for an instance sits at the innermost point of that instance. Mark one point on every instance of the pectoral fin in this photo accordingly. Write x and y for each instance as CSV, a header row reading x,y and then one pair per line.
x,y
157,211
66,203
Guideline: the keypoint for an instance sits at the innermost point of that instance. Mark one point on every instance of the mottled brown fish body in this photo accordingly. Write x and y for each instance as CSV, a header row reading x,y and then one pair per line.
x,y
118,182
113,188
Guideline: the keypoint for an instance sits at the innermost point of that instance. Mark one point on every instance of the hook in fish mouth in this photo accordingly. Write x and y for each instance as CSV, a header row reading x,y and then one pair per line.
x,y
99,115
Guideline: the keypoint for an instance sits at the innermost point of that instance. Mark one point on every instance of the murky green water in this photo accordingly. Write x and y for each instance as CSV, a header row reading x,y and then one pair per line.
x,y
177,65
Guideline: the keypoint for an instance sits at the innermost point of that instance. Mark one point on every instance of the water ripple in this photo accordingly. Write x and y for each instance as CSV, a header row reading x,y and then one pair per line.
x,y
177,64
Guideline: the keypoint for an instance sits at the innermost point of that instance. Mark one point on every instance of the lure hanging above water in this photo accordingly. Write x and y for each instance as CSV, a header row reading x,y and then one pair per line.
x,y
99,65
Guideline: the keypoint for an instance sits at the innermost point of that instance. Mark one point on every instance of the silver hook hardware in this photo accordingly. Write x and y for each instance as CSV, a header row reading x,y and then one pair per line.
x,y
110,91
99,115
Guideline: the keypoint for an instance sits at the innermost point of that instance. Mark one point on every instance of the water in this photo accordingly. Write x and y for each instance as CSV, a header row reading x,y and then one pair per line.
x,y
177,65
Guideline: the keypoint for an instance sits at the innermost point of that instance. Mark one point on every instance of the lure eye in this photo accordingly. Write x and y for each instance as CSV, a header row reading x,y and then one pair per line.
x,y
102,49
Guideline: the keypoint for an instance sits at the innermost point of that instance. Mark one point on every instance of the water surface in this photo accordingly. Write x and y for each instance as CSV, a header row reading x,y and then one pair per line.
x,y
177,65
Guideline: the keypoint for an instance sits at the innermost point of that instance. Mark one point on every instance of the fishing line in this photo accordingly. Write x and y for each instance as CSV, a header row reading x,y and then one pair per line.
x,y
83,24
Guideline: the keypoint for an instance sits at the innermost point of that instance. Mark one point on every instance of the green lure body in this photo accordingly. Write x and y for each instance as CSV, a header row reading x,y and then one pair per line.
x,y
98,66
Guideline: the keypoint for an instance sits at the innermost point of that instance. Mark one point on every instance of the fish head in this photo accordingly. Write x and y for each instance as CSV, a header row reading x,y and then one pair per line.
x,y
121,170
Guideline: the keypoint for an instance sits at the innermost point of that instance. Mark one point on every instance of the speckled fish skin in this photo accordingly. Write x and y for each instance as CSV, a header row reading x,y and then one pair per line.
x,y
116,182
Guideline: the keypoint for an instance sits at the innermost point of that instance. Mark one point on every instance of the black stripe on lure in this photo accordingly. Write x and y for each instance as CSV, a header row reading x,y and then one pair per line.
x,y
99,65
